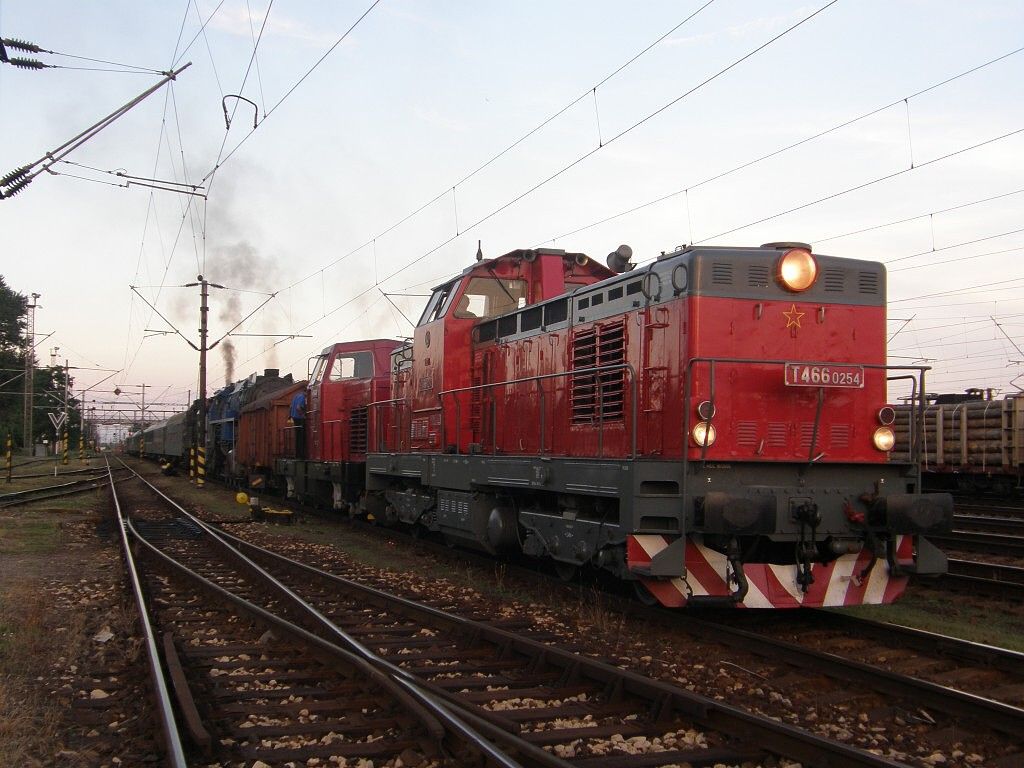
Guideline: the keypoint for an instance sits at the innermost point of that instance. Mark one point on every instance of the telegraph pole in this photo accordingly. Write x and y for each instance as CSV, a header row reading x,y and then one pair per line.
x,y
30,338
204,294
67,396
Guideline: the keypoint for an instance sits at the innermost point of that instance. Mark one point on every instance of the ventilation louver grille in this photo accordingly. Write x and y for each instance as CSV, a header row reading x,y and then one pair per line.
x,y
835,281
599,395
757,276
746,434
721,273
867,282
777,432
357,430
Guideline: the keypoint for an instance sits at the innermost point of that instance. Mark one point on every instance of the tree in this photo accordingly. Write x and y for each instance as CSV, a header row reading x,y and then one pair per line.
x,y
13,318
47,382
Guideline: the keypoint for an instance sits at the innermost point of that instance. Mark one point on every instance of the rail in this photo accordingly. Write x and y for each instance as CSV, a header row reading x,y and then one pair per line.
x,y
172,738
420,700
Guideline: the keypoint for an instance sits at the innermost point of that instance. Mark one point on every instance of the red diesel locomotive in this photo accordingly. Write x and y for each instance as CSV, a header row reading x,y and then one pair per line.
x,y
712,426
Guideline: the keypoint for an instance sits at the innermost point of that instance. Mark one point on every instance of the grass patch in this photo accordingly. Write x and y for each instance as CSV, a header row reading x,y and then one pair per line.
x,y
29,533
30,720
980,621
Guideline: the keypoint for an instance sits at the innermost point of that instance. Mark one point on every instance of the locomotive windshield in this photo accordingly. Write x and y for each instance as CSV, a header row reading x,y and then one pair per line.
x,y
489,297
357,365
318,368
439,302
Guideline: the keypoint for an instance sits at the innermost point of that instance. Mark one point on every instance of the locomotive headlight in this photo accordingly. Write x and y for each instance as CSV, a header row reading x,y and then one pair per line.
x,y
706,410
797,270
704,433
884,439
887,415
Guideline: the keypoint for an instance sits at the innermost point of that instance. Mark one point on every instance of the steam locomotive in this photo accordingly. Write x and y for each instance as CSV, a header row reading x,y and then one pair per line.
x,y
711,427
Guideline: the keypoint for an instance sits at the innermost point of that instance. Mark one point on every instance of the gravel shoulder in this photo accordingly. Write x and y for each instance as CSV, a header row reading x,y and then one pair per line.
x,y
73,689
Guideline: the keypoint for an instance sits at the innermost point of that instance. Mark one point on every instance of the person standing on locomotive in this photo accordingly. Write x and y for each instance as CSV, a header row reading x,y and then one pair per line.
x,y
297,414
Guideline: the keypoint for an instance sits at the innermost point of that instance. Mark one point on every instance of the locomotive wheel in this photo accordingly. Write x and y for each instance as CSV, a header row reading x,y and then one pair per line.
x,y
566,571
643,594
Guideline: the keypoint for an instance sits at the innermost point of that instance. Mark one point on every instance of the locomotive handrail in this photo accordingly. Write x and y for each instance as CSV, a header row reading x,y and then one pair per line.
x,y
757,361
628,367
918,438
371,409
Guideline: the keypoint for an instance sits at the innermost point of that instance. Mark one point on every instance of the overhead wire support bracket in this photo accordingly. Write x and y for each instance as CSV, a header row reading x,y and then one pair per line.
x,y
150,305
227,118
24,175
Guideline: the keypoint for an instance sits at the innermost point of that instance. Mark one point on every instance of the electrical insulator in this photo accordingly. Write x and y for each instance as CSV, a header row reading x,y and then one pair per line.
x,y
21,45
14,189
13,176
27,63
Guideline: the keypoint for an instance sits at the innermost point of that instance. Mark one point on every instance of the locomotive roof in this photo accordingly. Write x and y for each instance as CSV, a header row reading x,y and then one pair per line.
x,y
519,253
366,345
746,250
700,271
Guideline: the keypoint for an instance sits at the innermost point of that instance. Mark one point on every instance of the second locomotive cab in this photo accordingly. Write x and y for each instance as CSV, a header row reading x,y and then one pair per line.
x,y
713,426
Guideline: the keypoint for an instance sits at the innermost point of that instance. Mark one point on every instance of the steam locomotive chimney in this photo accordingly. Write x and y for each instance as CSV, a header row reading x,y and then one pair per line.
x,y
272,373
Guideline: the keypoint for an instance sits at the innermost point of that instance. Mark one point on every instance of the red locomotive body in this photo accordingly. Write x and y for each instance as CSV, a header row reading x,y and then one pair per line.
x,y
711,426
329,466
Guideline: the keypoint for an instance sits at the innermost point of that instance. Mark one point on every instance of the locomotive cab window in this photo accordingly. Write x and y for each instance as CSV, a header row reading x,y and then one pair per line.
x,y
439,303
318,368
489,297
357,365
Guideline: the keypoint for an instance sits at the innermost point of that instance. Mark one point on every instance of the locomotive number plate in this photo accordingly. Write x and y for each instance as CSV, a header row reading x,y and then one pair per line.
x,y
802,375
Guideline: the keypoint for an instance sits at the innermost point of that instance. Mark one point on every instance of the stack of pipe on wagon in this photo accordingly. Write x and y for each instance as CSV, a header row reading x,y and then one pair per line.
x,y
970,440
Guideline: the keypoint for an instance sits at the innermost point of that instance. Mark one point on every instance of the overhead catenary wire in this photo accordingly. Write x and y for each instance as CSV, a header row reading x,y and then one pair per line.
x,y
646,118
966,289
936,212
267,113
624,132
863,185
150,207
955,245
209,178
776,152
501,153
960,258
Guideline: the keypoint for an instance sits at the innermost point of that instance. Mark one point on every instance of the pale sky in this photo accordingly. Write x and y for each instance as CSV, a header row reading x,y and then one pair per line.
x,y
423,93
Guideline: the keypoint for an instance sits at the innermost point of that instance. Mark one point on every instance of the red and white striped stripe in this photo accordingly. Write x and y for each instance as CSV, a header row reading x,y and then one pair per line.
x,y
773,586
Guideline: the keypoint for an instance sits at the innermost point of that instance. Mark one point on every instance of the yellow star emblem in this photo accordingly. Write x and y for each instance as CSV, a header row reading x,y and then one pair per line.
x,y
793,317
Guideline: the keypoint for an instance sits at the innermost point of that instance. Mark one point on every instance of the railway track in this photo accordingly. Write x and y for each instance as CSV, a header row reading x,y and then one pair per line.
x,y
983,506
99,471
990,579
943,674
543,704
990,524
44,493
981,542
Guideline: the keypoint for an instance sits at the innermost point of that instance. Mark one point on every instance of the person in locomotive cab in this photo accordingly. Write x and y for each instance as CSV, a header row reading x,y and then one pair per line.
x,y
463,311
297,415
